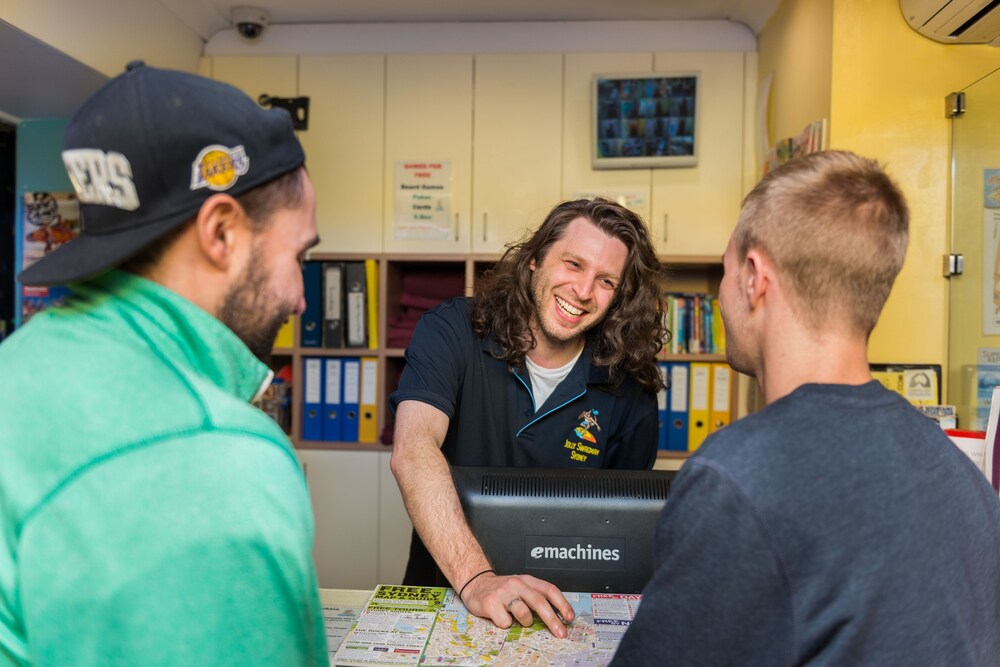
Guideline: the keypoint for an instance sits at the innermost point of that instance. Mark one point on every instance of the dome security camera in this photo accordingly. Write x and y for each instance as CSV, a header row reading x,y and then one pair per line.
x,y
250,22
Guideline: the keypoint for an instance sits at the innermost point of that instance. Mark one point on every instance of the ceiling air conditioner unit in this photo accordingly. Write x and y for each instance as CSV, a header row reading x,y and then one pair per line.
x,y
955,21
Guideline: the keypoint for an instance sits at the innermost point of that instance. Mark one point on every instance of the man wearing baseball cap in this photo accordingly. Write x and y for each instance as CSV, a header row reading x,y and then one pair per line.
x,y
150,514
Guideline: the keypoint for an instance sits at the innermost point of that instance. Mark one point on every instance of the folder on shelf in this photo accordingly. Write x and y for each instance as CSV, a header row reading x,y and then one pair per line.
x,y
356,304
677,407
722,382
333,304
663,430
350,399
312,400
701,389
332,380
312,333
367,415
286,334
371,277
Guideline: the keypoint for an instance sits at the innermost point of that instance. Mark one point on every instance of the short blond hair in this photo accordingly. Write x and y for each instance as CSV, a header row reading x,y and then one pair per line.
x,y
836,227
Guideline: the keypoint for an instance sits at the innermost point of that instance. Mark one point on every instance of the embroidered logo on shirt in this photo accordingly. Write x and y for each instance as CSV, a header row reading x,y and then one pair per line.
x,y
579,451
589,421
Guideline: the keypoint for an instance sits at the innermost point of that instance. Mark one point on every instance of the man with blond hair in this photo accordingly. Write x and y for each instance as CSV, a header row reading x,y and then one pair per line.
x,y
838,525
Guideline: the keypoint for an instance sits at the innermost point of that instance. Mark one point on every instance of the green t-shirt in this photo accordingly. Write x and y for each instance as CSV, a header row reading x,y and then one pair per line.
x,y
150,514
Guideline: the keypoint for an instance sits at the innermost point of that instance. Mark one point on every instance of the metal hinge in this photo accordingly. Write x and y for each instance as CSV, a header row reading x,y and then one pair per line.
x,y
953,265
954,105
298,107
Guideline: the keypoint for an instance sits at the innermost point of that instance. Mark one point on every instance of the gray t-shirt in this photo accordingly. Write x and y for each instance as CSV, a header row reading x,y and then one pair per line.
x,y
838,526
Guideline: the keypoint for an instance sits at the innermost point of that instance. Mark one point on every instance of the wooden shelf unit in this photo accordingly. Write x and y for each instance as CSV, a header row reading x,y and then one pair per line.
x,y
685,274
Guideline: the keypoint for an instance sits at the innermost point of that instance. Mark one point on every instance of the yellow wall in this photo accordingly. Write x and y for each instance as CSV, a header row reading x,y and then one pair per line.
x,y
795,47
106,34
887,101
887,85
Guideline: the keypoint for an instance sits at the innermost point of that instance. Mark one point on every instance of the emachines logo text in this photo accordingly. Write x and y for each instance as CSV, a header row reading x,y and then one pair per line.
x,y
575,553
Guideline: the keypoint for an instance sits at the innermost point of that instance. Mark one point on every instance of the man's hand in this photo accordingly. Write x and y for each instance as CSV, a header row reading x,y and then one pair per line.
x,y
514,598
431,500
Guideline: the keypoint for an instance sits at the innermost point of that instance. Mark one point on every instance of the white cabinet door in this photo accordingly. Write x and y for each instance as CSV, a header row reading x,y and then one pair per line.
x,y
517,142
631,187
344,148
362,528
394,527
429,121
344,490
694,209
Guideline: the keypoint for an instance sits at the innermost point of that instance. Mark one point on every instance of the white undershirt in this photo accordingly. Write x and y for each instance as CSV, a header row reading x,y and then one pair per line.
x,y
545,380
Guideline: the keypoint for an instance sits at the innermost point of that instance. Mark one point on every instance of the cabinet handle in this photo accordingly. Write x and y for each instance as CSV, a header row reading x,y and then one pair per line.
x,y
456,228
665,215
484,227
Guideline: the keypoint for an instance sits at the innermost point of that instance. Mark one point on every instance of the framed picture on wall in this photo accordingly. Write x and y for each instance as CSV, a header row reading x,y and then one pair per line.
x,y
644,120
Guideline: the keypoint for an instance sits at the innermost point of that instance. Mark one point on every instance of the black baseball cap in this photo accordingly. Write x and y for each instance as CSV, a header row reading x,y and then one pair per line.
x,y
146,150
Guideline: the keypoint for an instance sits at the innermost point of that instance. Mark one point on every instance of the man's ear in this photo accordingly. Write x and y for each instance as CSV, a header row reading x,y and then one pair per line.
x,y
219,223
755,277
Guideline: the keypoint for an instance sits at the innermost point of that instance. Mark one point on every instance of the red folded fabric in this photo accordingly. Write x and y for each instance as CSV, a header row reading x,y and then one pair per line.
x,y
401,327
419,301
435,285
409,315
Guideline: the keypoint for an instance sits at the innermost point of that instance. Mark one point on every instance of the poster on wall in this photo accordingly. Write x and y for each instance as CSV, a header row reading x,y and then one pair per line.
x,y
422,200
49,220
991,251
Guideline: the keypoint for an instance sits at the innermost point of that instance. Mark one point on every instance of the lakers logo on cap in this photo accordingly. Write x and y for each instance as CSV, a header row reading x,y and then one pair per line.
x,y
218,167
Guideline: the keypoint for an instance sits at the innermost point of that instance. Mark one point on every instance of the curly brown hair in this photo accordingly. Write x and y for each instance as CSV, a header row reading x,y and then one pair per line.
x,y
629,337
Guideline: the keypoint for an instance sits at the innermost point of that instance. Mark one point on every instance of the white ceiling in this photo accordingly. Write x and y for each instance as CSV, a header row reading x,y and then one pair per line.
x,y
207,18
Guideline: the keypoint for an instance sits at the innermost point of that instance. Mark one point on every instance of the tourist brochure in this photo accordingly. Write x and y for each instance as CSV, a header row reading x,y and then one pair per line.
x,y
338,620
411,625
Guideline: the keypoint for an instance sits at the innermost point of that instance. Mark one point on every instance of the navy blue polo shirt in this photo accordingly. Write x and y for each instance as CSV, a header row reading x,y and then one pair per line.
x,y
585,423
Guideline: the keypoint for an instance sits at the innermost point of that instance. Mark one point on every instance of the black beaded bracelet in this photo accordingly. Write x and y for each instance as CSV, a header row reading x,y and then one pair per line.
x,y
471,580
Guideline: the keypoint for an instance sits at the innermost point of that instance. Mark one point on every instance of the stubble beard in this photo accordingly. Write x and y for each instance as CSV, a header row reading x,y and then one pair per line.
x,y
250,312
